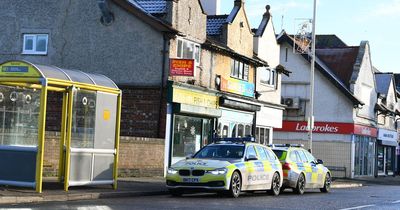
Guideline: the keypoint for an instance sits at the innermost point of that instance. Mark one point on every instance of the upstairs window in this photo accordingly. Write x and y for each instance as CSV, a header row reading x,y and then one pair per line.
x,y
35,44
188,50
239,70
268,77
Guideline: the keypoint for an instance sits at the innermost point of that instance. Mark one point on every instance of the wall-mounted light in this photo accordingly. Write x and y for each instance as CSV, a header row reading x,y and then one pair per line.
x,y
218,82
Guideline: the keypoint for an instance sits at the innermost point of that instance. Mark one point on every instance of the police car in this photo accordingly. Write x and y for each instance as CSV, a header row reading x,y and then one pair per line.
x,y
228,166
301,170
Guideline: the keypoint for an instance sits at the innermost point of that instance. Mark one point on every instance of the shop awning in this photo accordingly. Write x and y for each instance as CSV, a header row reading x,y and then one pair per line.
x,y
391,143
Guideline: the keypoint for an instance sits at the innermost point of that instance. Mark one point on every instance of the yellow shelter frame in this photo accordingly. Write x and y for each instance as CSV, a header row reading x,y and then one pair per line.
x,y
50,78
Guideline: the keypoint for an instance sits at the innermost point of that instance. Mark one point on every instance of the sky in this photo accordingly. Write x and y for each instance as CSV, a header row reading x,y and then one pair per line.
x,y
352,21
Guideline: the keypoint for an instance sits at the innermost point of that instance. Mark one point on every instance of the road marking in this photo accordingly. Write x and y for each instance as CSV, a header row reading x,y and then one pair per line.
x,y
396,201
358,207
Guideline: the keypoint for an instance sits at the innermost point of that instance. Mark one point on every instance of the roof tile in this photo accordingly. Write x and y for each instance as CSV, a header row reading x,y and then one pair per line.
x,y
215,23
153,6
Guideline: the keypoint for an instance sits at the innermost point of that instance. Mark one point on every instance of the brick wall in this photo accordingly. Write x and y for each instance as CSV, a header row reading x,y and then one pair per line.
x,y
137,156
140,112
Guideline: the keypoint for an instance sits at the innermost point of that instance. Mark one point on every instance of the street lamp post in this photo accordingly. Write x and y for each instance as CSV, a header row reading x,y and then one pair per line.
x,y
311,117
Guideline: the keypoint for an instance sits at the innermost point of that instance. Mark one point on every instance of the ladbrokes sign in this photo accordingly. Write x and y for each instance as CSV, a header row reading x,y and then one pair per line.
x,y
329,127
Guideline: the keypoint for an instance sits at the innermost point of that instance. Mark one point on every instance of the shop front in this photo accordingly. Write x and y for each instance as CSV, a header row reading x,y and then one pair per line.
x,y
267,119
348,146
237,117
190,120
386,151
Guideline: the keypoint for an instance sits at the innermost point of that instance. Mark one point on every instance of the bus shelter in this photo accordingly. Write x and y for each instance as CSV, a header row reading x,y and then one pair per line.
x,y
90,125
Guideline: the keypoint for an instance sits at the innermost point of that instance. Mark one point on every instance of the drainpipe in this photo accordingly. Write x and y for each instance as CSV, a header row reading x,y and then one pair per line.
x,y
254,130
107,17
164,62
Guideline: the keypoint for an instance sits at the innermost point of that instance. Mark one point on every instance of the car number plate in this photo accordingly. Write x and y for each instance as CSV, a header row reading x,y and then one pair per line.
x,y
191,180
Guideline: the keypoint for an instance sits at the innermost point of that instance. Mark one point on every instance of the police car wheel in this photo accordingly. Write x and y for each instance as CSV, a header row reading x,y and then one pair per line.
x,y
236,185
301,185
327,184
175,192
275,185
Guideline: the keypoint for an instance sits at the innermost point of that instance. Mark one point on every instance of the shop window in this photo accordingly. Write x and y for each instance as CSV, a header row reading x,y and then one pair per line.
x,y
239,70
35,44
233,133
19,115
262,135
189,135
268,77
240,130
247,130
188,50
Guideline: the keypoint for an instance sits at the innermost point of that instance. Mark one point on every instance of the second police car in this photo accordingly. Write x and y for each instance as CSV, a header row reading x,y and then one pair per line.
x,y
301,169
228,166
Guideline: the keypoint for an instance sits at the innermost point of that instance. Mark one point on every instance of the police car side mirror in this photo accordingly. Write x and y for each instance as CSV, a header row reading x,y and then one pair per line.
x,y
251,157
189,156
319,161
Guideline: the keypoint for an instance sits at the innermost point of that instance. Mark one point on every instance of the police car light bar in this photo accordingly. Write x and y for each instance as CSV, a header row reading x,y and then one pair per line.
x,y
286,145
237,140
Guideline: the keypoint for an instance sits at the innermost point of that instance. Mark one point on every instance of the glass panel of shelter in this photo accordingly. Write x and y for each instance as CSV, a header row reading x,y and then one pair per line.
x,y
19,112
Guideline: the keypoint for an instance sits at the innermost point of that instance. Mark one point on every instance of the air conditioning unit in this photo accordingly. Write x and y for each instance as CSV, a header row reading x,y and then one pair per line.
x,y
292,102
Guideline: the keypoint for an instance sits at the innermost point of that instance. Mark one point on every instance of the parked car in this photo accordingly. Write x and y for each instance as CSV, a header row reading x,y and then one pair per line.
x,y
228,166
301,170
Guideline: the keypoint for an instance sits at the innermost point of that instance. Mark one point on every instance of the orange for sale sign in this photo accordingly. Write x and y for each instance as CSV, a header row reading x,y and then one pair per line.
x,y
181,67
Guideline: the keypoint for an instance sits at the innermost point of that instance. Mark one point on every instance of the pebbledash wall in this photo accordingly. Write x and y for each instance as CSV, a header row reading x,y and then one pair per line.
x,y
135,159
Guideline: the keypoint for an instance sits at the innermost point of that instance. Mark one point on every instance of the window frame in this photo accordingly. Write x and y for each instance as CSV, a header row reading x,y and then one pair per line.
x,y
196,56
240,70
34,50
271,82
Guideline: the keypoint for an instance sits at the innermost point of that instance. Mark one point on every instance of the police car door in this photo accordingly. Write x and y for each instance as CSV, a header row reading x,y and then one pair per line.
x,y
317,171
307,168
250,180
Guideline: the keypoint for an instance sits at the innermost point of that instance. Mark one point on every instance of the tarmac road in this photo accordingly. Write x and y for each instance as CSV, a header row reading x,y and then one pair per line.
x,y
367,197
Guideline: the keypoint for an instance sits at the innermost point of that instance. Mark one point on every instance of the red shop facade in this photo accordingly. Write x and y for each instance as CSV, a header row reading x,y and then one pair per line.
x,y
360,141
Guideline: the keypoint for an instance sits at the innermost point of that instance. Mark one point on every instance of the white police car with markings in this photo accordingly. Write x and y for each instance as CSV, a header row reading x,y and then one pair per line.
x,y
228,166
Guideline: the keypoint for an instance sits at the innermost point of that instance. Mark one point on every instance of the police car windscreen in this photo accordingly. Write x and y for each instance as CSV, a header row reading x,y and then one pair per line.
x,y
221,151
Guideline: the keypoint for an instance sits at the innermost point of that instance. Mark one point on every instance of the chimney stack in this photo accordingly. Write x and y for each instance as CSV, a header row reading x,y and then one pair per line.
x,y
211,7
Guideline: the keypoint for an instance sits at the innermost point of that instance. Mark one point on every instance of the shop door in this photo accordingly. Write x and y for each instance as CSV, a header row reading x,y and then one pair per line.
x,y
92,149
381,160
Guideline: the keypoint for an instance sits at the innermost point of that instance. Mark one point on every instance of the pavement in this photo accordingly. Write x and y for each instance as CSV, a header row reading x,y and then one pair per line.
x,y
131,187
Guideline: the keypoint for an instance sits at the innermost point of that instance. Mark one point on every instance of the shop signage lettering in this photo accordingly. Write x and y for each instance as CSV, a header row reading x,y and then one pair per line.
x,y
365,130
181,67
387,135
321,129
194,98
237,86
329,127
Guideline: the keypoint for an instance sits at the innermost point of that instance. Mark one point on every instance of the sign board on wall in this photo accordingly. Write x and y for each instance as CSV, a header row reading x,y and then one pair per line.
x,y
181,67
237,86
387,135
194,98
329,127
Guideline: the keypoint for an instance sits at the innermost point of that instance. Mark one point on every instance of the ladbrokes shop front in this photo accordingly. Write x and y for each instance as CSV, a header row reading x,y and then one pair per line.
x,y
347,149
